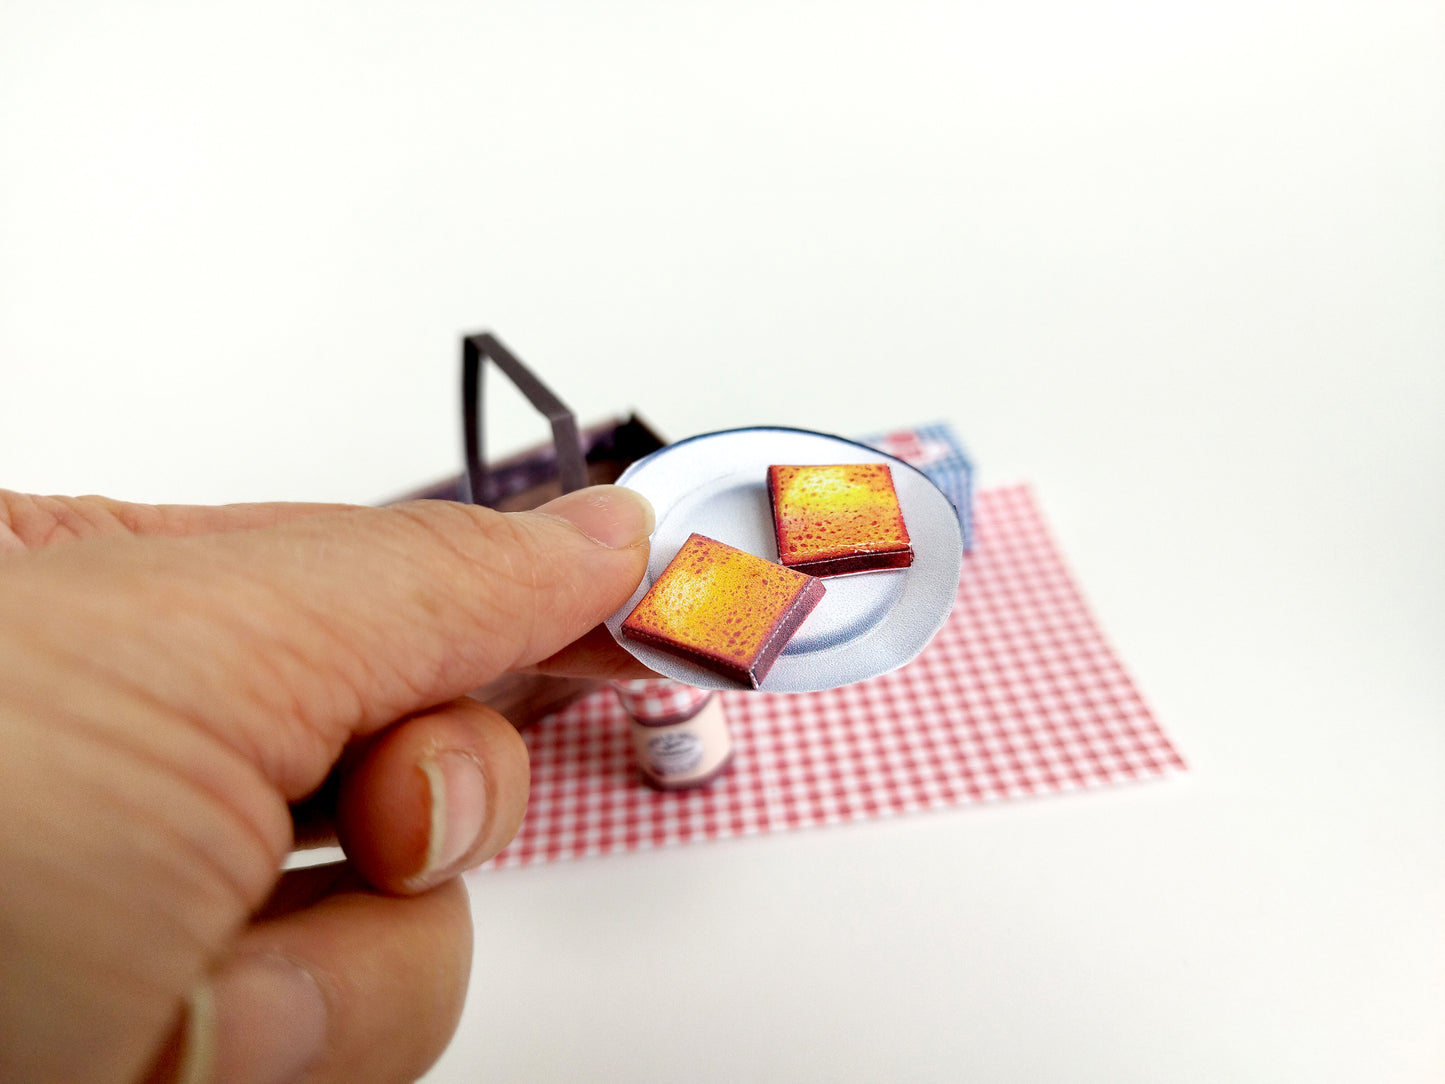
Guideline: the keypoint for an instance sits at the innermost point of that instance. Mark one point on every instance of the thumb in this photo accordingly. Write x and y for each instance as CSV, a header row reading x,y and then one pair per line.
x,y
287,641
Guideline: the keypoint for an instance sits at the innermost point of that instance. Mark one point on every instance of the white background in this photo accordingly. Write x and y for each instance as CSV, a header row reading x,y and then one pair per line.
x,y
1178,264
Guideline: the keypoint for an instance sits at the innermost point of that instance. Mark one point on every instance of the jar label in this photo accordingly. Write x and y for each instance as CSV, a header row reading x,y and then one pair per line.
x,y
674,753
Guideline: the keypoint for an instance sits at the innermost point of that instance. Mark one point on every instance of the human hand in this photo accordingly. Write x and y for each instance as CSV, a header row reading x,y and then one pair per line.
x,y
174,681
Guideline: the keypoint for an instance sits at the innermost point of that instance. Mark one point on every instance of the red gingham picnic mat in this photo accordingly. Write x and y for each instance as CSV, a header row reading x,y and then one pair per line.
x,y
1017,695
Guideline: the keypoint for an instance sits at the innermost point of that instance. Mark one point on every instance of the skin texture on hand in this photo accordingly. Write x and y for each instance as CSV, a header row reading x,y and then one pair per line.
x,y
174,681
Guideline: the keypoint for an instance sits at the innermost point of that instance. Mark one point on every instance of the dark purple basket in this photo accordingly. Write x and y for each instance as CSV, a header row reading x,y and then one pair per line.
x,y
577,457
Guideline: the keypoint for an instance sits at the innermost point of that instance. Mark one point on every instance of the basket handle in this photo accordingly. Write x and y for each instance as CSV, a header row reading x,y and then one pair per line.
x,y
571,466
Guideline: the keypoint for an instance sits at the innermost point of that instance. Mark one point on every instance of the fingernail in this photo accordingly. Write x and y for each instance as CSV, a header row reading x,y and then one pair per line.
x,y
270,1021
613,516
458,813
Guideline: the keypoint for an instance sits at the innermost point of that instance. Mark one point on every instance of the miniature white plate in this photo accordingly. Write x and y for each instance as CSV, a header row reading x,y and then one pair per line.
x,y
867,624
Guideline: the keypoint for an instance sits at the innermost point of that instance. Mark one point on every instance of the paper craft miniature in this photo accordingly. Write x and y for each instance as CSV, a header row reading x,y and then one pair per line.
x,y
721,608
716,484
679,734
838,518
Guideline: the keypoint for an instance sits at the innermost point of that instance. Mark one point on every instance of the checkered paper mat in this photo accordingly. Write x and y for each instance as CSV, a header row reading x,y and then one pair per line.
x,y
1018,695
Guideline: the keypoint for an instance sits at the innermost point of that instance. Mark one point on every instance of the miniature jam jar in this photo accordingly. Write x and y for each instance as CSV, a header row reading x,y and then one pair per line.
x,y
679,734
